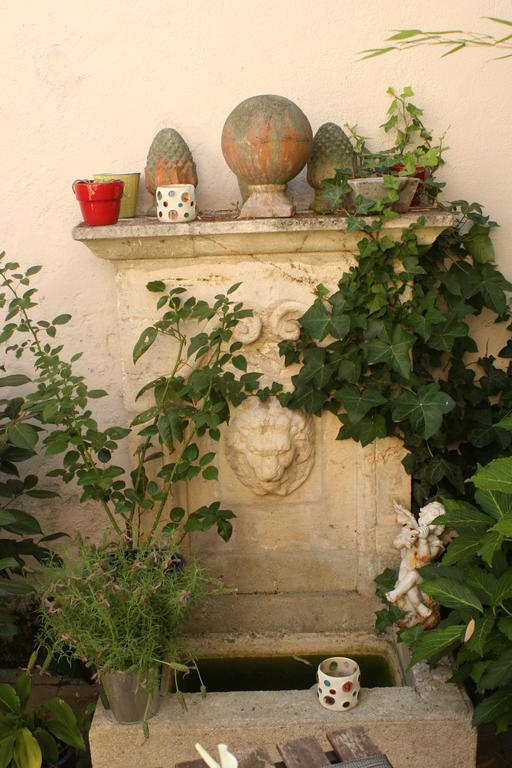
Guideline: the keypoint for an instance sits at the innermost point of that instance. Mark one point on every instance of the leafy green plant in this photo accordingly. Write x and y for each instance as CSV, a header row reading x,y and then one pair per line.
x,y
19,434
454,39
27,739
190,402
121,610
473,581
125,613
387,351
412,149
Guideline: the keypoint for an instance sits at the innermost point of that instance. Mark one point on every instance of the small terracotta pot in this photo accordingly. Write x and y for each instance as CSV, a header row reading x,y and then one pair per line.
x,y
100,202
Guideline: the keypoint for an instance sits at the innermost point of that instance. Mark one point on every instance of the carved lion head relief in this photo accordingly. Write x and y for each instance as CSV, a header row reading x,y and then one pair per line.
x,y
270,448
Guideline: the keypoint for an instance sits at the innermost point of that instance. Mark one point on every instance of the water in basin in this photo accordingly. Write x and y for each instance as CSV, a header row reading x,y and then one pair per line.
x,y
279,673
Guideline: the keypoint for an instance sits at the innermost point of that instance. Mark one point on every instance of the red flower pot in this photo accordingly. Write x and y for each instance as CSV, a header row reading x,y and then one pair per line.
x,y
100,201
421,173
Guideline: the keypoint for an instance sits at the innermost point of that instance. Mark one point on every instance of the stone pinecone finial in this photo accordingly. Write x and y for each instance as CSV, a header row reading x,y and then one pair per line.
x,y
169,161
331,150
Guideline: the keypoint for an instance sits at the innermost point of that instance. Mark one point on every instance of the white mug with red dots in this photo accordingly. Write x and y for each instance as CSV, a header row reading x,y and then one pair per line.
x,y
176,203
338,683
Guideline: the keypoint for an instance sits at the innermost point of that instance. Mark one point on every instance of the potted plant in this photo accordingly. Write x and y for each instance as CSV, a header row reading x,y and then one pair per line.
x,y
122,611
49,736
100,201
396,177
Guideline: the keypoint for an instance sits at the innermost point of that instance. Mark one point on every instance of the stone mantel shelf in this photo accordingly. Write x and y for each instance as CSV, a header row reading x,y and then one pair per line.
x,y
213,236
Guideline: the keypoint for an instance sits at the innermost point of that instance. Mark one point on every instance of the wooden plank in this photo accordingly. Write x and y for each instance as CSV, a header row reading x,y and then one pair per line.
x,y
350,743
303,753
253,758
191,764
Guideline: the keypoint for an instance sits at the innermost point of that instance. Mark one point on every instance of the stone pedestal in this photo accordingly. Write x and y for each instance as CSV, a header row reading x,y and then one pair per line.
x,y
266,201
313,527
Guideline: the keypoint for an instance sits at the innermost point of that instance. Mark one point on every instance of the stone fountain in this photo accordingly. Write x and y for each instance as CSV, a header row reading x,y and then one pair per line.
x,y
314,516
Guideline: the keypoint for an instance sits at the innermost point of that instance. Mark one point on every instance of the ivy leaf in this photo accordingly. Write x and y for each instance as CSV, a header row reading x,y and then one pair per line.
x,y
370,428
493,288
446,333
423,409
240,362
358,402
316,320
339,325
437,642
451,593
478,243
394,350
316,370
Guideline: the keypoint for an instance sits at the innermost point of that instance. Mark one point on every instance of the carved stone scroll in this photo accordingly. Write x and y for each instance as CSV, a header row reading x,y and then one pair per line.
x,y
248,330
284,320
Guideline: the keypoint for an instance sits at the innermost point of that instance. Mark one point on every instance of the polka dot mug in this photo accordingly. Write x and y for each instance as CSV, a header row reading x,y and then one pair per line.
x,y
176,203
338,683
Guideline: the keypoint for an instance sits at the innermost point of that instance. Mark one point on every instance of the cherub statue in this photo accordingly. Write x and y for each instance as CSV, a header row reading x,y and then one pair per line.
x,y
419,543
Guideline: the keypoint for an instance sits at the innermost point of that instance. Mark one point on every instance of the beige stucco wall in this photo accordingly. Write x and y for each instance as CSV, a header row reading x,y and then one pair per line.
x,y
85,86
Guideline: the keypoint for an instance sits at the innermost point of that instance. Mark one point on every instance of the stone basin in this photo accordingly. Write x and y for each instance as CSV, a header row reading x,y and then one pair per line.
x,y
421,720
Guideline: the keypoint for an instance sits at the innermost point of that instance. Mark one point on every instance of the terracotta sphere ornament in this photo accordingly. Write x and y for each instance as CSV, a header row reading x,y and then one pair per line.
x,y
266,141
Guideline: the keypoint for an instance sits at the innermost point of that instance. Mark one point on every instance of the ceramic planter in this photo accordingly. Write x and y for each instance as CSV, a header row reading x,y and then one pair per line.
x,y
128,700
131,190
338,683
373,188
175,203
421,174
99,201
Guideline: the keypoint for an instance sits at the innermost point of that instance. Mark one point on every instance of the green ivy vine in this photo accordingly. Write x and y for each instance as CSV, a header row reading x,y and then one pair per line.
x,y
387,351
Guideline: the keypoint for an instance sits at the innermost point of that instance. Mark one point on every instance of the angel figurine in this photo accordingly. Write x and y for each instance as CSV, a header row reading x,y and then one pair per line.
x,y
419,543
